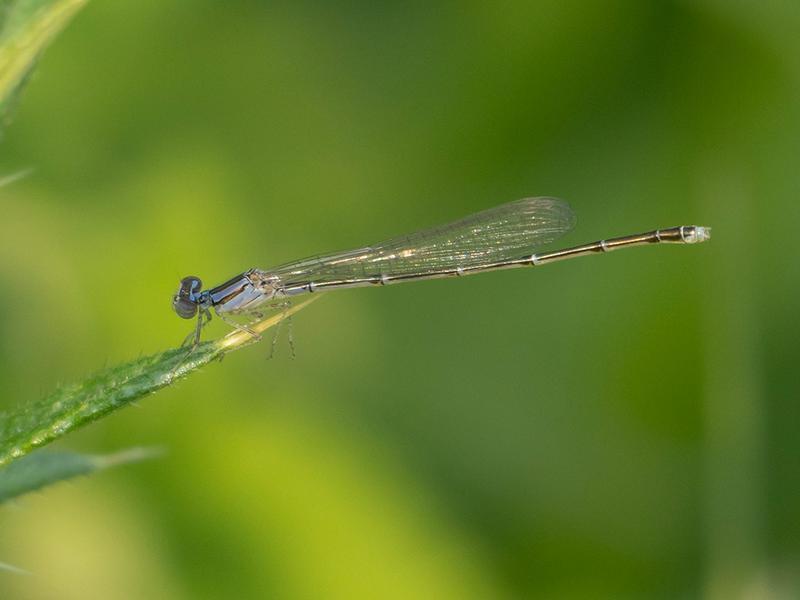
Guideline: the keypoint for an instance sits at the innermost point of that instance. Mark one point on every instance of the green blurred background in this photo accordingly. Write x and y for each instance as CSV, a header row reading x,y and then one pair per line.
x,y
618,427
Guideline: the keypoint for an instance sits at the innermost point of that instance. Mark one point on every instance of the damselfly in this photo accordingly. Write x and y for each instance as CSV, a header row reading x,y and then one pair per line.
x,y
503,237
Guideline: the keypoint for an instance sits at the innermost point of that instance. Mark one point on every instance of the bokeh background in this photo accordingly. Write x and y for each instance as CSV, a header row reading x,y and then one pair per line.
x,y
617,427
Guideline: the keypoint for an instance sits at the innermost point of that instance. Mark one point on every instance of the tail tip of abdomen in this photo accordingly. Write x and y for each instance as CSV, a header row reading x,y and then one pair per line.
x,y
695,234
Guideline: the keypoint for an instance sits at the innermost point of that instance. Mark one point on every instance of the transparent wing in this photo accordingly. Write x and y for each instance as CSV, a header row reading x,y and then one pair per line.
x,y
504,232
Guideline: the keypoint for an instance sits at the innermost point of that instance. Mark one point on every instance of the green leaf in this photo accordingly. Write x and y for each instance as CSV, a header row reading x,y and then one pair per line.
x,y
26,28
46,468
78,404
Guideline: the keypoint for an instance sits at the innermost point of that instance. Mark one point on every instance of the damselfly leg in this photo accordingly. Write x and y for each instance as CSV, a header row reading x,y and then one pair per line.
x,y
284,307
203,318
239,327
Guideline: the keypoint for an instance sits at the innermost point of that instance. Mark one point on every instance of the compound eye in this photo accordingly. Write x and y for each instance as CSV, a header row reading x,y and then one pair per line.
x,y
185,308
190,285
184,302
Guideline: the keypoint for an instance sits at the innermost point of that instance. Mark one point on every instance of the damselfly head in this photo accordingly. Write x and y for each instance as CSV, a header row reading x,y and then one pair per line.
x,y
184,302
